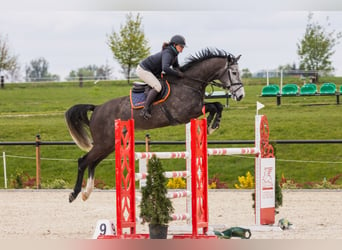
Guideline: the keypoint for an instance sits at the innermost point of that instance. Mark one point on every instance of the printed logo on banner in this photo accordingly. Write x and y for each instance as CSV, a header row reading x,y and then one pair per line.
x,y
267,182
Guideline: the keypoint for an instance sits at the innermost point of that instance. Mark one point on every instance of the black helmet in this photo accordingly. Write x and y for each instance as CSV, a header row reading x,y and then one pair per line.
x,y
178,39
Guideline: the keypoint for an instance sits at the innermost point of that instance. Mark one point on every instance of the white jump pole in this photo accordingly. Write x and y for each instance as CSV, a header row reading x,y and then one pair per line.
x,y
5,174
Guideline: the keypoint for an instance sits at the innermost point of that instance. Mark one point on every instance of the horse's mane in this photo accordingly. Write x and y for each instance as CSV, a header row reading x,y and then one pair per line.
x,y
202,55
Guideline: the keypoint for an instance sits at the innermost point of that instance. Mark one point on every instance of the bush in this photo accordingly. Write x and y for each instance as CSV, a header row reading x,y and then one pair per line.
x,y
215,183
56,184
22,180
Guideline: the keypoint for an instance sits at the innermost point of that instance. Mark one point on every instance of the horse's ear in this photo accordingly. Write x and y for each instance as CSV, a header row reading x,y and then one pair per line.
x,y
230,58
237,59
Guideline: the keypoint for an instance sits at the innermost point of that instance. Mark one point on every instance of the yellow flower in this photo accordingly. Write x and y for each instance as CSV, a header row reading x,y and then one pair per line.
x,y
212,185
245,182
176,183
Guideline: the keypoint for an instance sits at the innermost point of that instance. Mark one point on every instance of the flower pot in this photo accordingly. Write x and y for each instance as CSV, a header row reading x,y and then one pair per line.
x,y
158,231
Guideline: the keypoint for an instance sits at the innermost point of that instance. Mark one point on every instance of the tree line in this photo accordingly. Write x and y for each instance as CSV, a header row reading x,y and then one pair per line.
x,y
129,46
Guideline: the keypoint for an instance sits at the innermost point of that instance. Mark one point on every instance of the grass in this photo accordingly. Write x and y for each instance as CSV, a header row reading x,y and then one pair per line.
x,y
30,109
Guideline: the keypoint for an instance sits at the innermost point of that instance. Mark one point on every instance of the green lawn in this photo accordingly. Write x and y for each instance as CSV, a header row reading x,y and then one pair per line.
x,y
30,109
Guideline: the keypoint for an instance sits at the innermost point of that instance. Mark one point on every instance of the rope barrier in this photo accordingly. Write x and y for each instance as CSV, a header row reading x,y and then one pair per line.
x,y
239,156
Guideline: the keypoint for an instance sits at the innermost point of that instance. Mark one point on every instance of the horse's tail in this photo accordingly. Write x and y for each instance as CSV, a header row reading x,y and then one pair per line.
x,y
78,124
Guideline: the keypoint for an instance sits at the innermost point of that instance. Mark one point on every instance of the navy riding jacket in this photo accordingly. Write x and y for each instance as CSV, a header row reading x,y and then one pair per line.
x,y
163,61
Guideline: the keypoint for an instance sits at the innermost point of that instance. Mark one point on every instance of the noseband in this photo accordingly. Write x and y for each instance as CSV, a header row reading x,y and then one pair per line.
x,y
225,85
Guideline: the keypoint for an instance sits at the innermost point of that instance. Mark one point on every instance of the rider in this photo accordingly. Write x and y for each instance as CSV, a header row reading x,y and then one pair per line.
x,y
163,62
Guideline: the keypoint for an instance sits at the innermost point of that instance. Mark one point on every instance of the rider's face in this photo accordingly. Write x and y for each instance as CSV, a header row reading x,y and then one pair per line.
x,y
179,48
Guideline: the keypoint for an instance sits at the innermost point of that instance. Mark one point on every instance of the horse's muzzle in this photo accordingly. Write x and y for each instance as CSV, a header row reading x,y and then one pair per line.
x,y
239,98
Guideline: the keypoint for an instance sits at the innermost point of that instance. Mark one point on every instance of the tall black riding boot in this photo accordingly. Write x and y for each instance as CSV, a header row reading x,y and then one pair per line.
x,y
146,112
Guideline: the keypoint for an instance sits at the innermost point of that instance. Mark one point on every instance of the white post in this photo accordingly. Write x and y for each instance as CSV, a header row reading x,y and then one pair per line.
x,y
5,174
264,183
268,80
257,170
188,168
142,169
281,81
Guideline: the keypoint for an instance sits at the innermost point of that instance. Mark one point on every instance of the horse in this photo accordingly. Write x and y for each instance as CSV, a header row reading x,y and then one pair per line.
x,y
95,135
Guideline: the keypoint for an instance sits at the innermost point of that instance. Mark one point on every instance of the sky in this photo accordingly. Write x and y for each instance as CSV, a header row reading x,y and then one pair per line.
x,y
72,37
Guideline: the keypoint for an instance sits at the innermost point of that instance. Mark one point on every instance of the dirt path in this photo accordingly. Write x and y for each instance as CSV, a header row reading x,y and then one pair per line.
x,y
47,214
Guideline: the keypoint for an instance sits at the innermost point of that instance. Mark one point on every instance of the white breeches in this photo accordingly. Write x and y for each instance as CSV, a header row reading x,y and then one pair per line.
x,y
148,78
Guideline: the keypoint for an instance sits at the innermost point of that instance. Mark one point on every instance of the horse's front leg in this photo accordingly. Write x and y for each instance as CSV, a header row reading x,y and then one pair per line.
x,y
215,113
211,109
217,120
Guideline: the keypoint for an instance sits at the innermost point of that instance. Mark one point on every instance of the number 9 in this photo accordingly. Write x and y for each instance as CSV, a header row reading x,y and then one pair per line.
x,y
103,229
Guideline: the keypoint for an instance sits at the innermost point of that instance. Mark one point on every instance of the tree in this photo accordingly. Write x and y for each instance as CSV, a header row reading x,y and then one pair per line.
x,y
38,70
155,207
317,47
246,73
129,46
287,67
8,62
92,71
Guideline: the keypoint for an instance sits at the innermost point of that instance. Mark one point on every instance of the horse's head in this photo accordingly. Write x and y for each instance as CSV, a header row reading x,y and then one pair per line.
x,y
222,66
231,80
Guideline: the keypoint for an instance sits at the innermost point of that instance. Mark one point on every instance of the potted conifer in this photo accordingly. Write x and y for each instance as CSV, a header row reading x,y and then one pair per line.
x,y
155,206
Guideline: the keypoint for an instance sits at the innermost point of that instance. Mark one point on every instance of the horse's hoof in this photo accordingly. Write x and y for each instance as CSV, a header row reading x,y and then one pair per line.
x,y
71,197
85,196
211,130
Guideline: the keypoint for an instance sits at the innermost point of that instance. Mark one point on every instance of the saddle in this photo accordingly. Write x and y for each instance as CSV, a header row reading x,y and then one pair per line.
x,y
139,92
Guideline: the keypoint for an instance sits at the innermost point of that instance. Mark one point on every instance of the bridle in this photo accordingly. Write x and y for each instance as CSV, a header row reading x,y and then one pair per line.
x,y
225,86
213,83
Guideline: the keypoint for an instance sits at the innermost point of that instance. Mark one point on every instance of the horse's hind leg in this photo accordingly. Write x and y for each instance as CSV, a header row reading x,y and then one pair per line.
x,y
90,185
80,173
91,177
90,160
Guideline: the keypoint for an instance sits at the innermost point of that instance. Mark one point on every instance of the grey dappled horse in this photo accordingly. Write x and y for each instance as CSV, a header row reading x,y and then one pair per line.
x,y
185,102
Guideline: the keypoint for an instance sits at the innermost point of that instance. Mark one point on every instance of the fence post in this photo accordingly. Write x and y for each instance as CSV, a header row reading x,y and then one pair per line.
x,y
338,97
38,161
278,99
2,81
81,80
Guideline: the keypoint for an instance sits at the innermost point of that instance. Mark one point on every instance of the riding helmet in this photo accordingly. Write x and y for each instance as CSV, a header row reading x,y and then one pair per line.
x,y
178,39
